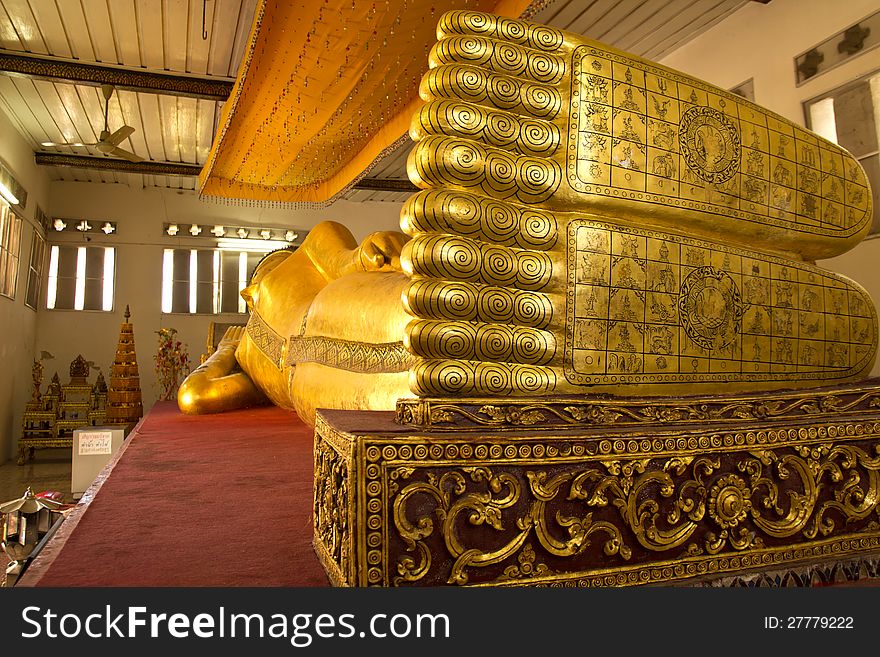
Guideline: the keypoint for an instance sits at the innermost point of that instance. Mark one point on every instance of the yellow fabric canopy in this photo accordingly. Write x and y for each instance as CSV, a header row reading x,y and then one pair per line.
x,y
324,89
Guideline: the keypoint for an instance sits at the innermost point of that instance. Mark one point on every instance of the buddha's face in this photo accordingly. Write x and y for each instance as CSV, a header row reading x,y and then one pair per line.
x,y
251,293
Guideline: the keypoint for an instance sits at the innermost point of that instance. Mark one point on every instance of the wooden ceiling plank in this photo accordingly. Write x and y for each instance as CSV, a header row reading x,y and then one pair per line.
x,y
638,33
19,12
204,129
393,164
649,14
52,28
35,104
174,24
123,17
242,35
46,94
169,127
130,114
187,132
97,16
222,39
9,38
218,114
93,104
711,13
78,34
152,122
19,110
583,24
356,196
562,14
150,34
643,14
618,14
672,27
199,49
72,105
17,123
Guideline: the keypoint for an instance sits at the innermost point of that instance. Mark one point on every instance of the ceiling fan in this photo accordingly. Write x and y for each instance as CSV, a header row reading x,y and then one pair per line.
x,y
108,143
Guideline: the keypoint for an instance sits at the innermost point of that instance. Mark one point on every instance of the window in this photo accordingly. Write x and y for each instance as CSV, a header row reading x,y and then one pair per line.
x,y
206,281
81,278
10,236
35,270
850,116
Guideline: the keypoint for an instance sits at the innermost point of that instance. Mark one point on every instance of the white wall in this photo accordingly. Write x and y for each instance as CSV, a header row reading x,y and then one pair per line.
x,y
760,42
140,214
17,321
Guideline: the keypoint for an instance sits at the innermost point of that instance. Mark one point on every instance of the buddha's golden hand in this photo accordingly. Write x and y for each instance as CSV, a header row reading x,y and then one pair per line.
x,y
380,251
587,220
231,338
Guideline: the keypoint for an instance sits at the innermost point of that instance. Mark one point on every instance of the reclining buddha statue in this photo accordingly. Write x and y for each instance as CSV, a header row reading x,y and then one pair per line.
x,y
588,222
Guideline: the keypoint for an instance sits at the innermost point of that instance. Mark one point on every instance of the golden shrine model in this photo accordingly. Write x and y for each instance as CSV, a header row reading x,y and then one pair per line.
x,y
590,224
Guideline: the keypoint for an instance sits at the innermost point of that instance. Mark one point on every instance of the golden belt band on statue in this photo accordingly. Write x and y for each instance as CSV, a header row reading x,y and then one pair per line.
x,y
266,339
349,355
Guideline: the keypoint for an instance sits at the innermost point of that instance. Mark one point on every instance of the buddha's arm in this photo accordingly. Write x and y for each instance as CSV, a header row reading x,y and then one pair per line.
x,y
218,384
334,252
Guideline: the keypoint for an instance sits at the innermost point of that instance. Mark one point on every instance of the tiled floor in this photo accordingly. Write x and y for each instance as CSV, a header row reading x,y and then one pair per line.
x,y
49,470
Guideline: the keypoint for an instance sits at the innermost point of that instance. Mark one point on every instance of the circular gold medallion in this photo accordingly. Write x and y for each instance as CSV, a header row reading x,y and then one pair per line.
x,y
710,307
709,143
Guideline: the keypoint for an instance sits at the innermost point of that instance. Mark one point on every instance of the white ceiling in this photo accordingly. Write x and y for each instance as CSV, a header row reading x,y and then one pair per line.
x,y
166,35
157,35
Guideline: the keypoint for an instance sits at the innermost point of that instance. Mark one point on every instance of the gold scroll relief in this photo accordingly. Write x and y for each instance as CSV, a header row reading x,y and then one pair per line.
x,y
593,508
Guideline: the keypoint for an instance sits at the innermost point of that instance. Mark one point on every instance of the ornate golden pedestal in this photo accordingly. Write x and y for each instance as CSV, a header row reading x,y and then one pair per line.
x,y
602,492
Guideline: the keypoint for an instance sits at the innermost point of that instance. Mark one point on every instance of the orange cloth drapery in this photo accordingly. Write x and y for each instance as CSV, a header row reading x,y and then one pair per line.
x,y
325,87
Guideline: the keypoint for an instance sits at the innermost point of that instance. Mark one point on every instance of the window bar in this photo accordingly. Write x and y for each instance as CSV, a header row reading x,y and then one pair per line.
x,y
242,279
79,299
109,260
216,288
193,281
167,279
52,287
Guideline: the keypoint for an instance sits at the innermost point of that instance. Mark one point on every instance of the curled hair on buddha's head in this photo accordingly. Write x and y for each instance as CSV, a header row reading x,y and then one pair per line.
x,y
269,261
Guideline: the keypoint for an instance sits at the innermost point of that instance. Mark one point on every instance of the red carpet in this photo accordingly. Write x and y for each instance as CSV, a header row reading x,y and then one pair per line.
x,y
217,500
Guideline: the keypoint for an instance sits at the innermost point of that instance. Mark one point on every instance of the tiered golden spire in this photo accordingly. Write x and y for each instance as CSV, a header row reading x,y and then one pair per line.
x,y
124,402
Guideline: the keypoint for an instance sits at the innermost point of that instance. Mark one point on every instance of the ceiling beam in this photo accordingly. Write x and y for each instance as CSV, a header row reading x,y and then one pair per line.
x,y
114,164
177,169
385,185
63,70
